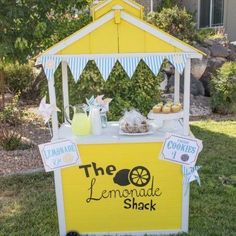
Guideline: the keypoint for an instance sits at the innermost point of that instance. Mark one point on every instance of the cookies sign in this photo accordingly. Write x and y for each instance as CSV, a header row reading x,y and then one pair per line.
x,y
181,149
59,154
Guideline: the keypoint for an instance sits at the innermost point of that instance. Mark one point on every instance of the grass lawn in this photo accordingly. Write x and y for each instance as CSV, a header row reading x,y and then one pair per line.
x,y
28,206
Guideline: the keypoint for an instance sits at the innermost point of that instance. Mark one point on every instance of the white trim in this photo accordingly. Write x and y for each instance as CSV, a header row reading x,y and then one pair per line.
x,y
83,32
142,25
139,233
185,206
96,8
198,13
211,9
177,83
65,89
101,5
117,7
151,5
122,55
186,96
52,98
60,203
132,4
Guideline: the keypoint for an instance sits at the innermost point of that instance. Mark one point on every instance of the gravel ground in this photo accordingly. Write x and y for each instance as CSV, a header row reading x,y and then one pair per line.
x,y
18,161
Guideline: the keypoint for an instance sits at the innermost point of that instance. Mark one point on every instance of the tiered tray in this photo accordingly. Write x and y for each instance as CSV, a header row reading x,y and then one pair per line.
x,y
167,122
165,116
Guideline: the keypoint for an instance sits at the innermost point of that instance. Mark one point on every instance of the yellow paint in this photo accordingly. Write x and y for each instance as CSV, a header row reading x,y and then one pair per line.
x,y
124,37
135,11
119,36
133,39
101,40
109,214
117,16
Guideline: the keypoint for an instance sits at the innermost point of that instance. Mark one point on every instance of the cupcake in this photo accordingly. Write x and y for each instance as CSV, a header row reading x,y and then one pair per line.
x,y
176,107
166,109
157,108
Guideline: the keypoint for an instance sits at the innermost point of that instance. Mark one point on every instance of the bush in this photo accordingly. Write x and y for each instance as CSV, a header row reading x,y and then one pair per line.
x,y
142,91
223,89
11,113
9,139
19,77
175,21
167,4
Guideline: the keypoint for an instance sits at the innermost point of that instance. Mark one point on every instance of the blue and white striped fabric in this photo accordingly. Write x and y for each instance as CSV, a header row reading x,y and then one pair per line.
x,y
154,63
106,63
178,61
50,64
105,66
129,64
77,65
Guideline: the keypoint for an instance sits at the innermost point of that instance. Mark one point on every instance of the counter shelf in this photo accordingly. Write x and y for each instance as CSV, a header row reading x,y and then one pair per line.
x,y
110,134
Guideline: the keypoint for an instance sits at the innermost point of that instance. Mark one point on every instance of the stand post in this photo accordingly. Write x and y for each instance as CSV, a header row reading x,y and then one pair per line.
x,y
186,96
57,173
65,89
52,98
176,94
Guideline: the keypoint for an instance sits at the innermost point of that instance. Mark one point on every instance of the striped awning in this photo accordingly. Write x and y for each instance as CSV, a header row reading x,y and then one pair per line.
x,y
105,63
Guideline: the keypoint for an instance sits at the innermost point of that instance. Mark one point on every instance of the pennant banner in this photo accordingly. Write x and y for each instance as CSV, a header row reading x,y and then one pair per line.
x,y
50,64
178,61
106,63
190,175
154,63
77,66
105,66
129,64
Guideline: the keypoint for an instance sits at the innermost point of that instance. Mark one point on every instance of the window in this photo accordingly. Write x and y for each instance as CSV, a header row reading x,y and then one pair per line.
x,y
211,13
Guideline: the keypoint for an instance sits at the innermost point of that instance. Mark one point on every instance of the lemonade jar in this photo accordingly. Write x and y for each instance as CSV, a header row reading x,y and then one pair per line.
x,y
80,123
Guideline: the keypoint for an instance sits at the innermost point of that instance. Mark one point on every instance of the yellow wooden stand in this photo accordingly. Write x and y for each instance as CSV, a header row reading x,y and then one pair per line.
x,y
118,33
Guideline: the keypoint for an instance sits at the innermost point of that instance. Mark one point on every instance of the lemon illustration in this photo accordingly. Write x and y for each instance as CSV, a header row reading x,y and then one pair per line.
x,y
68,158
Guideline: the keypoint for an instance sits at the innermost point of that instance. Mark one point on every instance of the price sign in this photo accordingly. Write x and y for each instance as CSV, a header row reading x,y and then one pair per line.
x,y
59,154
182,150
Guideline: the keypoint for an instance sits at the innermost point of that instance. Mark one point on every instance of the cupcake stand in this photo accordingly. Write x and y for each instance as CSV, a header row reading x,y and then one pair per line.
x,y
121,186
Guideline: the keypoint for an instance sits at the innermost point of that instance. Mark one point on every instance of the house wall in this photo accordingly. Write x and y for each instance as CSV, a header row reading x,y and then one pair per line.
x,y
147,4
230,19
191,6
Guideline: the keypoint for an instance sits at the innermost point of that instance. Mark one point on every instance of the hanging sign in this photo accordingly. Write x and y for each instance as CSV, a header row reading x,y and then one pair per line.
x,y
59,154
182,150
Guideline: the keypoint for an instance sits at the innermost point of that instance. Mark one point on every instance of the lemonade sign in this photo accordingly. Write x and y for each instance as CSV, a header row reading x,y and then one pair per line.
x,y
122,188
59,154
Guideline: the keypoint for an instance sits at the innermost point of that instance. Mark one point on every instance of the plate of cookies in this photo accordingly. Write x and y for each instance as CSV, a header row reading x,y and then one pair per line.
x,y
134,124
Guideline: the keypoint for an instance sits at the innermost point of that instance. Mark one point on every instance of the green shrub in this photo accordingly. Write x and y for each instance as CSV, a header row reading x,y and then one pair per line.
x,y
142,91
11,114
205,34
19,77
167,4
175,21
10,140
223,89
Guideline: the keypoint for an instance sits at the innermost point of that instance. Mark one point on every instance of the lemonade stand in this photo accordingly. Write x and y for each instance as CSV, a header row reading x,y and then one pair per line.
x,y
120,186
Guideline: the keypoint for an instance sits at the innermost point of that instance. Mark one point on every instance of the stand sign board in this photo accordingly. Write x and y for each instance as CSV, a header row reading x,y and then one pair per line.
x,y
56,155
123,189
182,150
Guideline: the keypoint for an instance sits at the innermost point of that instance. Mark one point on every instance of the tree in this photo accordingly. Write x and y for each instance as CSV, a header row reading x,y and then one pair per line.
x,y
29,26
